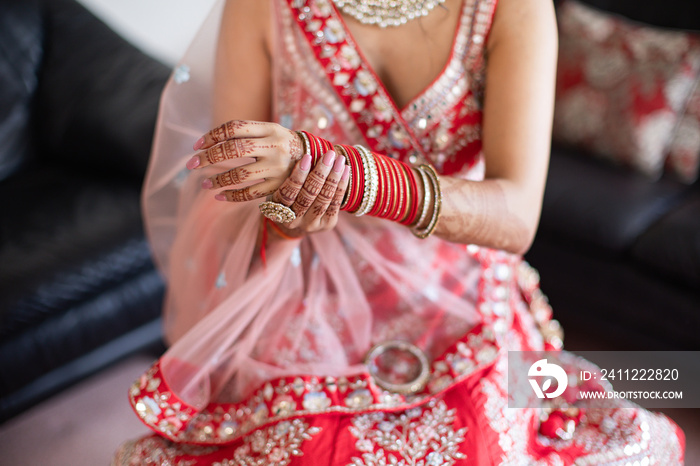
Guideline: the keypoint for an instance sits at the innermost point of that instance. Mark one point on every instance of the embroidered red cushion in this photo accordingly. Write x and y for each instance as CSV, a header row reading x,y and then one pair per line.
x,y
684,153
623,87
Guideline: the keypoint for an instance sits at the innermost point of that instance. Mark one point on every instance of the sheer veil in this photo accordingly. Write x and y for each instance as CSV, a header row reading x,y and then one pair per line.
x,y
318,304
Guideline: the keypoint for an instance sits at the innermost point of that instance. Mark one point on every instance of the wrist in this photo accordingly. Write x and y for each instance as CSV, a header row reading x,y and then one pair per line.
x,y
280,231
384,187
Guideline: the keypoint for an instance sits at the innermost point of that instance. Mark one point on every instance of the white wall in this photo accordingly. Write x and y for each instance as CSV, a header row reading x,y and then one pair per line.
x,y
161,28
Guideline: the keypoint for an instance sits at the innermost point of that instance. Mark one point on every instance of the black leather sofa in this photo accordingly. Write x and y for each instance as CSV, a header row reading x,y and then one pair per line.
x,y
77,286
619,254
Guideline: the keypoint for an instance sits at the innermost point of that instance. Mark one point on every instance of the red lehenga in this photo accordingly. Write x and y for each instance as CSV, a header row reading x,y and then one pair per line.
x,y
266,365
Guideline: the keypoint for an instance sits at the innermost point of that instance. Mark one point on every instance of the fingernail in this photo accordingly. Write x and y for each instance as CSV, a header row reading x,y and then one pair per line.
x,y
329,158
207,184
220,197
198,145
193,162
339,164
346,173
305,162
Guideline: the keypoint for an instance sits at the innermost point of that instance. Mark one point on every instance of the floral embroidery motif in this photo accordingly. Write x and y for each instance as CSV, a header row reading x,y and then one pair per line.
x,y
411,133
274,445
158,451
417,437
623,88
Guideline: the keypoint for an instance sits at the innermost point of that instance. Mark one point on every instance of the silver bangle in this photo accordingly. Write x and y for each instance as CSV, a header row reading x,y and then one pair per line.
x,y
307,144
369,197
408,387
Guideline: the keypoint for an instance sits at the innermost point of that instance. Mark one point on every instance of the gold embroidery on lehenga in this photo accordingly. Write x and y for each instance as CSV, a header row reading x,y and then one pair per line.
x,y
158,451
416,437
273,445
511,425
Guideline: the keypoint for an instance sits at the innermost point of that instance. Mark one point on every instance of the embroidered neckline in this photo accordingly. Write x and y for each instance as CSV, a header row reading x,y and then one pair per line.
x,y
401,134
371,107
459,30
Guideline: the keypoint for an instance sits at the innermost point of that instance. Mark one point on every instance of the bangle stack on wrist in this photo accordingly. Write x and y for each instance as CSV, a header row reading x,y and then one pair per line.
x,y
384,187
316,146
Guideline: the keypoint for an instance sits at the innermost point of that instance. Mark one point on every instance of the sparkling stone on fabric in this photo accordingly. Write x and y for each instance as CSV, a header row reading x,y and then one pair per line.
x,y
181,74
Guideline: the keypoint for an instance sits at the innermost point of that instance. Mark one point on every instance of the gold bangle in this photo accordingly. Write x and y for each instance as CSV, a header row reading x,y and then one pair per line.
x,y
426,198
435,181
305,142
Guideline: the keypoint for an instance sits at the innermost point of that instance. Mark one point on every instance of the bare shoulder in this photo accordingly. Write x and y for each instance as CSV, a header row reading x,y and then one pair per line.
x,y
529,23
249,18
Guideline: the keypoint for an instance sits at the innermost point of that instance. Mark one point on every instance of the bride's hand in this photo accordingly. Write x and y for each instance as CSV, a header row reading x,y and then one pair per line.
x,y
314,194
273,148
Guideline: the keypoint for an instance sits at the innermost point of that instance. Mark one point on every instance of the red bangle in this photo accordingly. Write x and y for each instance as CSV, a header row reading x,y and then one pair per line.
x,y
397,187
319,147
382,188
400,177
395,202
413,212
402,191
358,179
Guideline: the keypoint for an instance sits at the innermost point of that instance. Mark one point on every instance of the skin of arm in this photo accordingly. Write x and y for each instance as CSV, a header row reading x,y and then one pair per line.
x,y
503,210
243,73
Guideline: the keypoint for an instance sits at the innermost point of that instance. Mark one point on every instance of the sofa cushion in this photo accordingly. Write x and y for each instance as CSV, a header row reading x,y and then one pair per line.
x,y
21,40
671,246
622,87
684,152
590,204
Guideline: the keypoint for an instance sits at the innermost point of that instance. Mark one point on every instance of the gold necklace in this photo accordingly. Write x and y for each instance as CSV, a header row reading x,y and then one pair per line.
x,y
385,13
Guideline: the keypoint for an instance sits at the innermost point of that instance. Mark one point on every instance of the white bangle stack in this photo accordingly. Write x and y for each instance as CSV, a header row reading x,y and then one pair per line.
x,y
369,166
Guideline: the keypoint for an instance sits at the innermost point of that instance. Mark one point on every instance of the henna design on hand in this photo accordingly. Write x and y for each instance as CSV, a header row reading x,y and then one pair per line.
x,y
290,188
215,154
296,147
234,148
319,209
233,177
227,131
242,195
304,202
314,183
288,193
328,190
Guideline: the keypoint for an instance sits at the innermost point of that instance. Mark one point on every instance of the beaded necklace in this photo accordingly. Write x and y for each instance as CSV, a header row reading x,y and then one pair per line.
x,y
386,12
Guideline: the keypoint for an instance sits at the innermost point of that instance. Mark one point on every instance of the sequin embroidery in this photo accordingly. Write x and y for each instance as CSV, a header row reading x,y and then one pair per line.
x,y
419,436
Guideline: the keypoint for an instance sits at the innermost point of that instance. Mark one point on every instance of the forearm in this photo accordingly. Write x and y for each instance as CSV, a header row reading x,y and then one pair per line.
x,y
485,213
